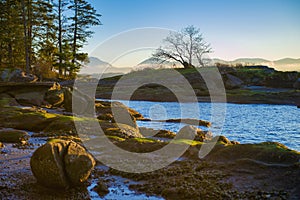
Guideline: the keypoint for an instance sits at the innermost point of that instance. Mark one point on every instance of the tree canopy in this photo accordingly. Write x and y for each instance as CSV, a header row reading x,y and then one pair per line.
x,y
45,35
187,47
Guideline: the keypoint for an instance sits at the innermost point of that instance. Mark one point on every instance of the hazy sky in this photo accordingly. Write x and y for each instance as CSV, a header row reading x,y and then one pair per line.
x,y
267,29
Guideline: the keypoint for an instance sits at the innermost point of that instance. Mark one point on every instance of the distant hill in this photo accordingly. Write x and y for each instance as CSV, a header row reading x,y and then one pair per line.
x,y
251,60
97,66
287,61
285,64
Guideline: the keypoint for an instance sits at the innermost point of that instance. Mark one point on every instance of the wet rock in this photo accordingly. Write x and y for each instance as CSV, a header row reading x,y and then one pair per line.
x,y
198,133
235,142
194,122
13,136
61,164
222,139
101,188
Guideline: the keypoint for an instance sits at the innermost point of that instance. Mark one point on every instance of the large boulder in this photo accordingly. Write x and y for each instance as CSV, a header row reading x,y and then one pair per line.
x,y
118,113
200,135
13,135
120,130
61,164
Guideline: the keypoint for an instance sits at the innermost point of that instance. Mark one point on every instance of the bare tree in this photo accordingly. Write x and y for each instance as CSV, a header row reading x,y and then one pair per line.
x,y
186,47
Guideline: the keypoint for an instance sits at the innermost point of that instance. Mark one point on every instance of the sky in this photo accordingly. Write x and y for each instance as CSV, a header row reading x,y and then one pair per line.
x,y
268,29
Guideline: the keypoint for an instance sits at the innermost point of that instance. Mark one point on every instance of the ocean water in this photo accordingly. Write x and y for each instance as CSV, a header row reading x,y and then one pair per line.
x,y
245,123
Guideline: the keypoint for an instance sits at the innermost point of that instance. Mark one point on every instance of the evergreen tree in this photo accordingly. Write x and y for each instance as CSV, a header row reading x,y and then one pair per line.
x,y
60,7
11,34
45,35
84,17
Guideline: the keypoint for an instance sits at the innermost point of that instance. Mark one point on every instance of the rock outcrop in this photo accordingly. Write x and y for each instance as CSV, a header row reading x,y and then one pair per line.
x,y
55,95
233,82
149,132
61,164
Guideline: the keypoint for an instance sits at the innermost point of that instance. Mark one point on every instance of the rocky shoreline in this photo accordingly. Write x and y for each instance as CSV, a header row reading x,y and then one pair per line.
x,y
230,170
245,85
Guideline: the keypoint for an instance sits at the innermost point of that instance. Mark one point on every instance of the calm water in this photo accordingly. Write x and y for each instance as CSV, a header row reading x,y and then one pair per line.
x,y
246,123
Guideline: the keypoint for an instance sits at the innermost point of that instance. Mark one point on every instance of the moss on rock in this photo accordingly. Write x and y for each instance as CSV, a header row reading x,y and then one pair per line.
x,y
13,136
61,164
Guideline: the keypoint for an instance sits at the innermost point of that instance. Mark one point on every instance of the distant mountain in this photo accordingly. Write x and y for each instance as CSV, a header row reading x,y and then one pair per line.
x,y
94,62
155,63
97,66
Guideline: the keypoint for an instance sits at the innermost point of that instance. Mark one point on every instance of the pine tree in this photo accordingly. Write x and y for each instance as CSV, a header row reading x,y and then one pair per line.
x,y
45,44
11,35
84,17
60,7
40,35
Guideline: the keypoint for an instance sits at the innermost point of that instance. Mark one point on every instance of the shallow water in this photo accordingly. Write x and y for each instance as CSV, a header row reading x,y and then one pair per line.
x,y
118,189
246,123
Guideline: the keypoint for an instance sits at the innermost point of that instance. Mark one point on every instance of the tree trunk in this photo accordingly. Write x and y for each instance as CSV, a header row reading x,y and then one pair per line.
x,y
10,55
60,36
75,30
186,65
29,34
25,37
